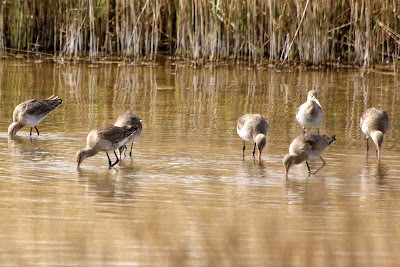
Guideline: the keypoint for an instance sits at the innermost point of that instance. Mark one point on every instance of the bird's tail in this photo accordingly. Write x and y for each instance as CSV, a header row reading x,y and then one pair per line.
x,y
53,101
333,138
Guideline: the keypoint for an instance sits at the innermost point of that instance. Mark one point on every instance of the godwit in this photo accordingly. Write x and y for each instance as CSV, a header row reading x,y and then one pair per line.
x,y
310,113
253,128
32,112
308,146
375,123
131,120
105,138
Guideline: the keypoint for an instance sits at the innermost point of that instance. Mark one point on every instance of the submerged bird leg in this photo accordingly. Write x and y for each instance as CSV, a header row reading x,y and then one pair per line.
x,y
123,149
120,154
130,152
36,130
323,164
116,160
109,160
308,167
254,150
244,147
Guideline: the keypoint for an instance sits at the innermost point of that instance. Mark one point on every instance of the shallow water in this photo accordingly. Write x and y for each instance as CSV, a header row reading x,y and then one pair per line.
x,y
187,197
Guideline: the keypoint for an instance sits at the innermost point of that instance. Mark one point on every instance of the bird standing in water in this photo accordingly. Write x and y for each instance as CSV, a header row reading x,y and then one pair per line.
x,y
374,123
31,113
310,113
308,146
253,128
105,138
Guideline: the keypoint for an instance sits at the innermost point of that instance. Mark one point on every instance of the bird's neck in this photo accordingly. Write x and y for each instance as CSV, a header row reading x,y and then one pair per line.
x,y
377,137
299,158
90,151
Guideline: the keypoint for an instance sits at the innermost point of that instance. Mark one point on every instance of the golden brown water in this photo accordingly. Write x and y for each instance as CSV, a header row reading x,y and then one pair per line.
x,y
187,197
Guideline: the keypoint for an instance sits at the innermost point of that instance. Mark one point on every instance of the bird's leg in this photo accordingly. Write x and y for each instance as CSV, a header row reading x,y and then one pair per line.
x,y
318,130
123,148
36,130
323,164
244,147
116,160
130,153
109,160
304,129
367,145
30,133
308,167
120,153
254,150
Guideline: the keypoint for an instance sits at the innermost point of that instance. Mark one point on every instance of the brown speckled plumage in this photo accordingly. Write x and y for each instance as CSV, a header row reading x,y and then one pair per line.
x,y
114,134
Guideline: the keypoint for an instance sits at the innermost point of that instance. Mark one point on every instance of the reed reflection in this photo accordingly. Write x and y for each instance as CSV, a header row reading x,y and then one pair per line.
x,y
187,197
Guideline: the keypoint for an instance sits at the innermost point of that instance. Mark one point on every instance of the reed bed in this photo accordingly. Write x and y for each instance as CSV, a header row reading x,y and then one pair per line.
x,y
317,32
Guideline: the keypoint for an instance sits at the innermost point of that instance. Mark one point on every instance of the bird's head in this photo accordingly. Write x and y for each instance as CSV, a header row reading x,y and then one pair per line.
x,y
80,156
261,141
13,128
288,161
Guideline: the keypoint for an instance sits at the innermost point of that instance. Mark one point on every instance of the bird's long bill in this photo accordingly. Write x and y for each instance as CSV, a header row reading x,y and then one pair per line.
x,y
316,101
286,172
379,154
259,155
78,165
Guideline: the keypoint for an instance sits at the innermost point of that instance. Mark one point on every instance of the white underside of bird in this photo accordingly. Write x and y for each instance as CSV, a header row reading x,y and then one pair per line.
x,y
30,120
364,129
244,134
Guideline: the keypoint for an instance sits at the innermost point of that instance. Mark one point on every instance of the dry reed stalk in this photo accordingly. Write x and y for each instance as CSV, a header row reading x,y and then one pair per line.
x,y
253,31
2,41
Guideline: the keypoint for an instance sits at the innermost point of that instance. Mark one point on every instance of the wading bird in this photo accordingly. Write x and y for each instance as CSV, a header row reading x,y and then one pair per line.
x,y
105,138
374,123
253,128
310,113
31,113
308,146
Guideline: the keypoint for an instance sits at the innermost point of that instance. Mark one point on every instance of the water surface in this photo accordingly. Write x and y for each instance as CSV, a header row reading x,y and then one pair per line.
x,y
187,197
